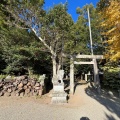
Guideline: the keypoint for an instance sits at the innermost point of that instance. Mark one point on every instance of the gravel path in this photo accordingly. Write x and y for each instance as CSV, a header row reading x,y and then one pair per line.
x,y
85,103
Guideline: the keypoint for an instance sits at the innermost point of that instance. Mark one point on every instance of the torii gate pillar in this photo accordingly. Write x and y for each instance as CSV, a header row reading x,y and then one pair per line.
x,y
96,76
71,75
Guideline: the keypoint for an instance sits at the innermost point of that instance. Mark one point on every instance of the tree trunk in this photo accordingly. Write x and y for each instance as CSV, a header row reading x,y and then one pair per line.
x,y
54,66
58,67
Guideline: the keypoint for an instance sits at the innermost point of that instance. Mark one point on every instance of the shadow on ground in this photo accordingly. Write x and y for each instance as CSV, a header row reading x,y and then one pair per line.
x,y
84,118
109,117
111,103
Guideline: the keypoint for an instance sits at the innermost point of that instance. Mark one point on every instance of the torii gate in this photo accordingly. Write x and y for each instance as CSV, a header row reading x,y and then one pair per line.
x,y
96,77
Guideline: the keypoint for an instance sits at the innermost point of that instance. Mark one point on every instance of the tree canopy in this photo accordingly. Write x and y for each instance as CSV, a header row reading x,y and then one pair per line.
x,y
28,31
50,27
111,28
81,31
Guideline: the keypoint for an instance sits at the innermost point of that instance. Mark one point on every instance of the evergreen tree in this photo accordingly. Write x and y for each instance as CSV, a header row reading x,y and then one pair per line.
x,y
20,49
30,15
80,42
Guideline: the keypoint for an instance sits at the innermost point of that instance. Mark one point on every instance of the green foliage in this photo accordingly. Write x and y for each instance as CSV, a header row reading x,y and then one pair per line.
x,y
102,4
36,76
57,23
56,29
111,77
2,76
79,41
58,17
21,50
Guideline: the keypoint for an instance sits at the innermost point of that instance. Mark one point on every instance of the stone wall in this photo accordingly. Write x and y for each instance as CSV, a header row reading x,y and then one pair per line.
x,y
21,86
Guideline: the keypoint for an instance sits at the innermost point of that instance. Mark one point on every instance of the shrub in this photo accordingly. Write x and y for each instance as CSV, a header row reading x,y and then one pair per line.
x,y
111,77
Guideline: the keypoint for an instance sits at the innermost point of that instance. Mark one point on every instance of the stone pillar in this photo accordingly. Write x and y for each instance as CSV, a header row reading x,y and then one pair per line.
x,y
95,71
86,77
71,75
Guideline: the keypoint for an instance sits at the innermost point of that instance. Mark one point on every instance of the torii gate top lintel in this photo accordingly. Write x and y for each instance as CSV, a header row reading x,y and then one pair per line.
x,y
89,56
84,56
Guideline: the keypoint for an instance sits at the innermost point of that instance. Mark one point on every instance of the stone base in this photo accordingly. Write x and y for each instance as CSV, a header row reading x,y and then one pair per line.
x,y
59,97
58,87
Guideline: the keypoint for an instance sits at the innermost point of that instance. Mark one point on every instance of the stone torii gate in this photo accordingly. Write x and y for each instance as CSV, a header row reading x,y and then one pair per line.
x,y
93,62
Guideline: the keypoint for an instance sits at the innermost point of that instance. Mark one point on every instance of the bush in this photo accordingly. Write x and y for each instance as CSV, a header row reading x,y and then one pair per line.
x,y
111,77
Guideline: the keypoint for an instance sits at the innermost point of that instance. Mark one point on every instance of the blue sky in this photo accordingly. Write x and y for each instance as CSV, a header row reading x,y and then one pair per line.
x,y
72,5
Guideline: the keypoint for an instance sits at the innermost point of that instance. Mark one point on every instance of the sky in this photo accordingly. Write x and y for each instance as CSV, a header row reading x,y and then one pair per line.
x,y
72,5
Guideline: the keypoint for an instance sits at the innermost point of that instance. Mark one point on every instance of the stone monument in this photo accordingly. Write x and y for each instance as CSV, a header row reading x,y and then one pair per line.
x,y
59,95
42,79
42,82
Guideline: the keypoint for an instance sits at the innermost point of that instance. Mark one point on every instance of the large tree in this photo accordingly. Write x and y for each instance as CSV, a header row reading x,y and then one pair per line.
x,y
51,27
111,27
20,49
56,30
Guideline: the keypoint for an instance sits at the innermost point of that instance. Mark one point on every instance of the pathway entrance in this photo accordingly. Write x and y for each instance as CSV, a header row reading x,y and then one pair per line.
x,y
95,68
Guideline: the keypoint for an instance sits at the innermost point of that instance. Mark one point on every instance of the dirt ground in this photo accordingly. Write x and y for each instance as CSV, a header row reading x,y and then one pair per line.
x,y
79,98
85,102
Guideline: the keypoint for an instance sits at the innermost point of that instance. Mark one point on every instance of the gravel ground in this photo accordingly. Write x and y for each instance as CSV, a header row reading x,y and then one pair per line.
x,y
84,104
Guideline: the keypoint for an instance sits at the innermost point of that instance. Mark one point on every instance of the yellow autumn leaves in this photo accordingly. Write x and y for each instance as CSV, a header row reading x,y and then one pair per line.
x,y
111,25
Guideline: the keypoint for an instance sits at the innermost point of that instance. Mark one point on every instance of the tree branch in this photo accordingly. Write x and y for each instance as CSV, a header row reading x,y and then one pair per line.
x,y
43,41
